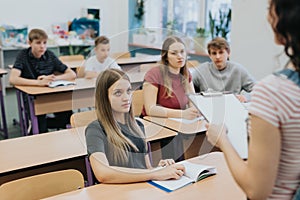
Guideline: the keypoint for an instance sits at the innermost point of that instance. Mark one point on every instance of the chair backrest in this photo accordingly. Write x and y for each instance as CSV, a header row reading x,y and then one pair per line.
x,y
82,118
80,72
42,185
192,63
137,102
146,67
74,58
117,55
68,58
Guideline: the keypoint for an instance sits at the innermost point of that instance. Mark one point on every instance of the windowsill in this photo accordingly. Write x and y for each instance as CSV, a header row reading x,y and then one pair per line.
x,y
158,48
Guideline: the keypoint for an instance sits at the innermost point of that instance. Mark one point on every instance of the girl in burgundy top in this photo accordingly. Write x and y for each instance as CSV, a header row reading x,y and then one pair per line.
x,y
166,85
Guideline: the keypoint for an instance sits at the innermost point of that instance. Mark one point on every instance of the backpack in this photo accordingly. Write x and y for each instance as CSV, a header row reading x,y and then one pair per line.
x,y
289,74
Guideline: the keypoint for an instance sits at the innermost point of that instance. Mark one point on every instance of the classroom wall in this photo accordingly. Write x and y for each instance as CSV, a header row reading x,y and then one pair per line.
x,y
42,14
252,39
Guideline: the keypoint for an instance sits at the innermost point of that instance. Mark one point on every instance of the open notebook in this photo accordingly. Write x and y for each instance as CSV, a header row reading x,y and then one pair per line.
x,y
194,172
60,83
225,108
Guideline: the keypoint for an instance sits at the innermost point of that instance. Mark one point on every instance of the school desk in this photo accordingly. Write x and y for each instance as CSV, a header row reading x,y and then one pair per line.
x,y
132,63
45,100
220,186
73,64
3,126
30,155
154,134
125,63
191,140
35,154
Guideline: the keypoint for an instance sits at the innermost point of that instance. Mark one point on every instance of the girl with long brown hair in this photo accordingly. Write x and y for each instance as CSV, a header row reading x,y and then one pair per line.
x,y
115,141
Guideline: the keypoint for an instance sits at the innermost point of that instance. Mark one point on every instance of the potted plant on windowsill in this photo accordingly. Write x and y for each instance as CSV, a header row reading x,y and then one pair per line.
x,y
171,27
200,39
220,27
139,36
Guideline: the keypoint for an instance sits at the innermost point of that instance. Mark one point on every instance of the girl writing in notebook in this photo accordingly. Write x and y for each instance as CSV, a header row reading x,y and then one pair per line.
x,y
273,167
116,141
165,92
166,85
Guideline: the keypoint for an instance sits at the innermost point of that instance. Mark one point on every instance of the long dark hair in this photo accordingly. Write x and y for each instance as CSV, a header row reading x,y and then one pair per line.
x,y
287,27
103,109
164,66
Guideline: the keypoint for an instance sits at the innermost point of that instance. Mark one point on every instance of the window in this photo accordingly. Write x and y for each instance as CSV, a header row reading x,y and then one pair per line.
x,y
182,15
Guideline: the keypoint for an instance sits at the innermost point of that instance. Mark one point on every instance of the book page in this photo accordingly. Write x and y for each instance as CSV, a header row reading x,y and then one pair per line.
x,y
197,172
60,83
193,173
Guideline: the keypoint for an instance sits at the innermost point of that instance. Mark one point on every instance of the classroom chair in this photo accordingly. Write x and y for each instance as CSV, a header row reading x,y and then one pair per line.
x,y
70,58
118,55
137,102
80,72
146,67
80,119
74,58
192,63
42,185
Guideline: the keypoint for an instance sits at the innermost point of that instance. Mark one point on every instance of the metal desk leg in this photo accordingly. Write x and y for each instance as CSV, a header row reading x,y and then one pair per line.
x,y
22,114
150,153
34,120
4,124
89,172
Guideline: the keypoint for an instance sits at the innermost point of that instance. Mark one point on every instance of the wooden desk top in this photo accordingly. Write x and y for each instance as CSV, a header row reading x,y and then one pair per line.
x,y
152,131
155,132
220,186
196,127
23,152
81,83
138,59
